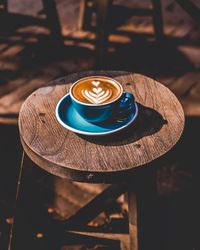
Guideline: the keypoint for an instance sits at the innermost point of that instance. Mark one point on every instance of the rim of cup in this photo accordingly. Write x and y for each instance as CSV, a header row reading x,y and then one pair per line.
x,y
94,104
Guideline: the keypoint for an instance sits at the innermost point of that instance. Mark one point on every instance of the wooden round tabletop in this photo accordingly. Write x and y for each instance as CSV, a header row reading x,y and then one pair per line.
x,y
156,130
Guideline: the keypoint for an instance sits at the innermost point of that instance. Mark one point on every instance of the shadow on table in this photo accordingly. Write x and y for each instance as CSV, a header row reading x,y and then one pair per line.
x,y
148,122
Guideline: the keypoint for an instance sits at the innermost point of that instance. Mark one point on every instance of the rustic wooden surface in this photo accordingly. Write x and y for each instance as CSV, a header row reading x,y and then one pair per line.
x,y
63,153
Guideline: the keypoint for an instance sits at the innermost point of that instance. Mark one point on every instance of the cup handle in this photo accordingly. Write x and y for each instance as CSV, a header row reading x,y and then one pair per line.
x,y
125,106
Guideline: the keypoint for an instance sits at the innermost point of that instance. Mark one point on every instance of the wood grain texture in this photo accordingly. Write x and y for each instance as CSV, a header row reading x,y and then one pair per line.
x,y
156,130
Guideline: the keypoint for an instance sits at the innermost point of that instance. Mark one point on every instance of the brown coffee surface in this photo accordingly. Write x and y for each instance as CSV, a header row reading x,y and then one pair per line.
x,y
96,90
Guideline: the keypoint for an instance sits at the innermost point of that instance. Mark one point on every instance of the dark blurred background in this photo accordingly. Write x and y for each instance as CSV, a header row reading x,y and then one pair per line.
x,y
44,40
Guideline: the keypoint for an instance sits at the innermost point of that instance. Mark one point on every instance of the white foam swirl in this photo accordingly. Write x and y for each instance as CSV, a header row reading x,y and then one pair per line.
x,y
97,95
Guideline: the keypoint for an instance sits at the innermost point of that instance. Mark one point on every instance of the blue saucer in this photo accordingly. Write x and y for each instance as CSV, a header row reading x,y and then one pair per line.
x,y
69,118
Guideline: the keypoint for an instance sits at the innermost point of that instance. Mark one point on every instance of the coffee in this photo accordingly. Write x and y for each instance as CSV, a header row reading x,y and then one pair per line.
x,y
96,90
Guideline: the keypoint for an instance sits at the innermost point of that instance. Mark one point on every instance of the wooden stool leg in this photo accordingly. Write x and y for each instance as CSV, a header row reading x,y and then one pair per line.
x,y
157,19
142,213
12,231
52,19
22,234
132,205
102,29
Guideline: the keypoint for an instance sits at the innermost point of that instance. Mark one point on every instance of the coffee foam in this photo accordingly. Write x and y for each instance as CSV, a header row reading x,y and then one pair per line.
x,y
96,90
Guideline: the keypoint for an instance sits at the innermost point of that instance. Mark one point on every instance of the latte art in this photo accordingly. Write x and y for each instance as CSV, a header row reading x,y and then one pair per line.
x,y
97,94
97,90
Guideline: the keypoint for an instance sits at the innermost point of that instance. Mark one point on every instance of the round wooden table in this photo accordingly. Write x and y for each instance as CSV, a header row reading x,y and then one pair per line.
x,y
129,156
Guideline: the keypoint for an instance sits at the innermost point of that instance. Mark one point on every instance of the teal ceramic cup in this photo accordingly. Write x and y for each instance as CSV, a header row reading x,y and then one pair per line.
x,y
119,108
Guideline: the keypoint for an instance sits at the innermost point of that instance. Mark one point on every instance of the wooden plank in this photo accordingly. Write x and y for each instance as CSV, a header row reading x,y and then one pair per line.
x,y
122,238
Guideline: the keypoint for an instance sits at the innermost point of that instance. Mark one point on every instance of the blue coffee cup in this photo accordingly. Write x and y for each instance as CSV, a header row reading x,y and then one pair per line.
x,y
119,108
